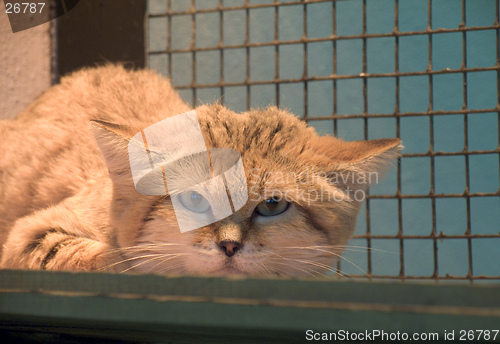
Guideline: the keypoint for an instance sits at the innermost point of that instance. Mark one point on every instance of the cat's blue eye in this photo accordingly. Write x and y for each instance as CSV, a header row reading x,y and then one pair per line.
x,y
194,201
272,207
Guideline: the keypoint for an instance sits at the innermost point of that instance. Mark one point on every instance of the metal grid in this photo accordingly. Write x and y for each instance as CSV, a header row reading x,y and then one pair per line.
x,y
400,237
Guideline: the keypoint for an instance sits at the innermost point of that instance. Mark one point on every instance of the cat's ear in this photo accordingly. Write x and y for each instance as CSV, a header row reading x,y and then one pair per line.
x,y
372,156
113,141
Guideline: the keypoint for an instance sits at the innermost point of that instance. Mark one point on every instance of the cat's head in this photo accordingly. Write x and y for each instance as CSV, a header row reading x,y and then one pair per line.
x,y
304,192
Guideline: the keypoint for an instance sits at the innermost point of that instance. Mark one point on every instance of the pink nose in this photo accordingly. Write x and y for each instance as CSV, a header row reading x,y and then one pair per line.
x,y
230,247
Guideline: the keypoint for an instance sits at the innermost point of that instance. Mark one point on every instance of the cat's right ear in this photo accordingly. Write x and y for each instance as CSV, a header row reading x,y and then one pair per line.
x,y
358,159
113,141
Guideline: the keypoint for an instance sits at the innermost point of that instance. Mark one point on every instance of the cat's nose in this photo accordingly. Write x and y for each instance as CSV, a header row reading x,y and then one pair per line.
x,y
230,247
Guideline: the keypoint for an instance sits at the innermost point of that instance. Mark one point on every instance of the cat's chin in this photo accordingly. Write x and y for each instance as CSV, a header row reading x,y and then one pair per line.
x,y
227,270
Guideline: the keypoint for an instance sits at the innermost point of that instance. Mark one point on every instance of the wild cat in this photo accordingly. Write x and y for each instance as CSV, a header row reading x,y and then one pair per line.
x,y
68,200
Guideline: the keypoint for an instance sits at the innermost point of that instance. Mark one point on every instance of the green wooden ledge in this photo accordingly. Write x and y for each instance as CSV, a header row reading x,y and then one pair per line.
x,y
149,308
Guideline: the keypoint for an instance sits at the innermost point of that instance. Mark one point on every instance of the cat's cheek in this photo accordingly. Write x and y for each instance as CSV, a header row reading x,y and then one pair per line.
x,y
162,231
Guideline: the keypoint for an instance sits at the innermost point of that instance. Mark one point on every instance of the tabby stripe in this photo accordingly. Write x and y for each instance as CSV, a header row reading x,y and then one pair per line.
x,y
40,237
227,128
149,216
53,251
315,225
276,130
153,207
210,135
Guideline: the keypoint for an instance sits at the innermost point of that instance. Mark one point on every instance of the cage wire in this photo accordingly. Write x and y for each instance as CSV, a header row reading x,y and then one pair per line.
x,y
426,71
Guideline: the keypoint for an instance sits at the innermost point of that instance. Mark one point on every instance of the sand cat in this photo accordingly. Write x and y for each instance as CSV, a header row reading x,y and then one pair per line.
x,y
68,200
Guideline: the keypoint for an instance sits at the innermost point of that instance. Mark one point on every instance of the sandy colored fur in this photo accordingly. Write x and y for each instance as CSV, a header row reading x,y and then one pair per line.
x,y
49,152
69,203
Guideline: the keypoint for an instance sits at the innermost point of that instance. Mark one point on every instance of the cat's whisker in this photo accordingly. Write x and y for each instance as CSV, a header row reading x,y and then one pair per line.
x,y
347,260
272,272
264,268
324,266
350,262
108,266
362,249
332,253
138,248
127,250
290,259
159,243
165,260
296,267
130,259
152,259
171,267
310,262
312,248
344,247
342,274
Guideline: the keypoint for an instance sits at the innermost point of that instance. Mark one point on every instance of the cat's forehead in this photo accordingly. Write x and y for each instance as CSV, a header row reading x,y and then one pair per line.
x,y
257,131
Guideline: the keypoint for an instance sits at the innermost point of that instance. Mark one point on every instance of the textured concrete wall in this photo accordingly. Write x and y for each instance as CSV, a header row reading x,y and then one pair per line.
x,y
25,59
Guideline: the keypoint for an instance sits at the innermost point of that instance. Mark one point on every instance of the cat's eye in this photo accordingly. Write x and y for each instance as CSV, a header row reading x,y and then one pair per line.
x,y
272,206
194,201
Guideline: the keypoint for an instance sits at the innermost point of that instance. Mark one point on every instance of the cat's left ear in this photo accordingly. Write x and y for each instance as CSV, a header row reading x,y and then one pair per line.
x,y
372,156
113,141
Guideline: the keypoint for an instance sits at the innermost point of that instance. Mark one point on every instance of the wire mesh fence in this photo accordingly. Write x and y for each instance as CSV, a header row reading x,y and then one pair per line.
x,y
426,71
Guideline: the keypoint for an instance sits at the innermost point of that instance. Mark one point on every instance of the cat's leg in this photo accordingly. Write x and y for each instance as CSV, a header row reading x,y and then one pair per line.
x,y
54,239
